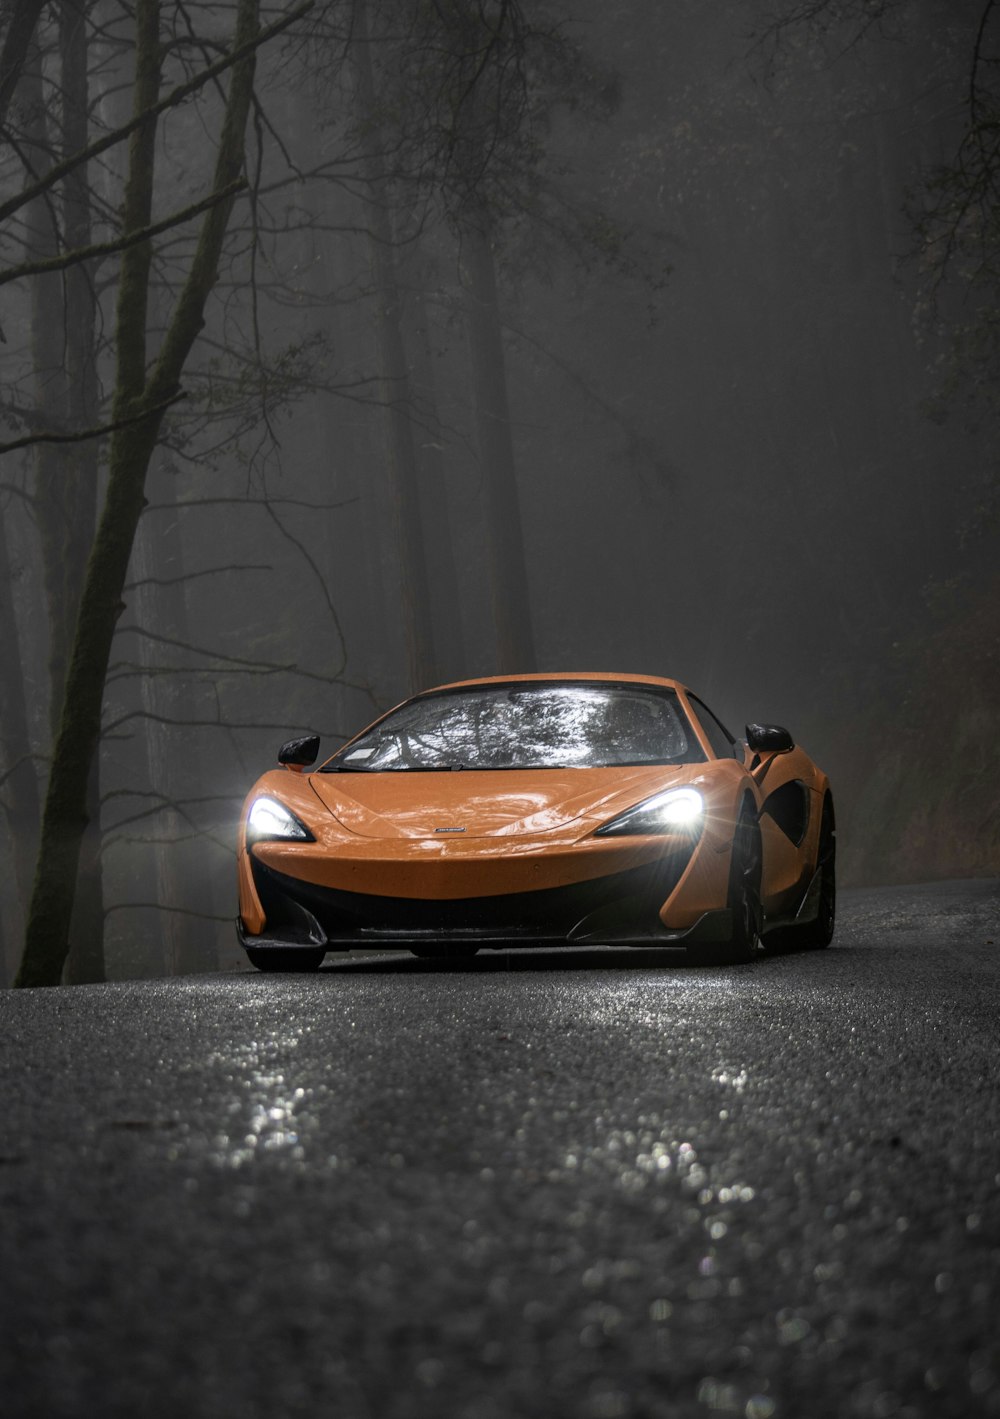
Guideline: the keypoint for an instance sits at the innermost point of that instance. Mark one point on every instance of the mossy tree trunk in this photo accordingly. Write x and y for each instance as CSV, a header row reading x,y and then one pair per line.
x,y
141,398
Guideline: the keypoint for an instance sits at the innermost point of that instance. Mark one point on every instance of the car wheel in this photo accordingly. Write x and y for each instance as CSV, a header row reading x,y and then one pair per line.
x,y
743,900
818,933
285,958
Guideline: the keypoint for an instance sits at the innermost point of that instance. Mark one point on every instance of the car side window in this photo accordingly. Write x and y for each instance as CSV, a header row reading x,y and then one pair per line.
x,y
722,742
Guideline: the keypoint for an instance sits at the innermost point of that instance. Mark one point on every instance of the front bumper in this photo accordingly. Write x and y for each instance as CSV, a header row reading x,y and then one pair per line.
x,y
621,908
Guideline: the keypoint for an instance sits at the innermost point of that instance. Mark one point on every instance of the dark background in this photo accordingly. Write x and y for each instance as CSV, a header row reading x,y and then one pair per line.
x,y
752,426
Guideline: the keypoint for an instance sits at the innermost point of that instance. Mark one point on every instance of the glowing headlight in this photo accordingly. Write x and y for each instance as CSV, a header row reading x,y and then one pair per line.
x,y
270,819
677,810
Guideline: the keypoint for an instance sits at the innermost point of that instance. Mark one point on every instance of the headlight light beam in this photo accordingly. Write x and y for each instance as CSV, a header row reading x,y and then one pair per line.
x,y
270,819
676,810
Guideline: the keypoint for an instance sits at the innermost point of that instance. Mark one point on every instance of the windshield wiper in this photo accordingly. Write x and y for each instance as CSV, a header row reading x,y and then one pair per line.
x,y
392,769
422,768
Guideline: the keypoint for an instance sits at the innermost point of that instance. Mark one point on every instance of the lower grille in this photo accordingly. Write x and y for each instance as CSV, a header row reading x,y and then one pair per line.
x,y
620,907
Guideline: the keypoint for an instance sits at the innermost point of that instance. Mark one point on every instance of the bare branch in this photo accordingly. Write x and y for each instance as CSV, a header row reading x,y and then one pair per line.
x,y
175,97
30,439
977,59
109,248
24,759
184,577
165,800
31,499
249,502
163,907
196,649
20,29
186,724
261,667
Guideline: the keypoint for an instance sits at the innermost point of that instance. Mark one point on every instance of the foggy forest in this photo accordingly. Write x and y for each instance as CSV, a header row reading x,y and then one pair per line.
x,y
353,347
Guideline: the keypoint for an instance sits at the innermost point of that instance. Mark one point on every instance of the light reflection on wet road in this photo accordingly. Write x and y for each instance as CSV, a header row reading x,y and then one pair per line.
x,y
590,1184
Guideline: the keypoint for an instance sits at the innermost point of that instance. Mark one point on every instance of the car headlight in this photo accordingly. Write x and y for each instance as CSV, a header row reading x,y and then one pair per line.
x,y
270,819
676,811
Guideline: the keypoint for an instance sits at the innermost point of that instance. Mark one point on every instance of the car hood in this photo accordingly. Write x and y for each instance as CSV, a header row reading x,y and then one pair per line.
x,y
470,803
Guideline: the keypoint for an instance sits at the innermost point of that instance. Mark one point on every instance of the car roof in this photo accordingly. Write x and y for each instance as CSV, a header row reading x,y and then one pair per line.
x,y
564,675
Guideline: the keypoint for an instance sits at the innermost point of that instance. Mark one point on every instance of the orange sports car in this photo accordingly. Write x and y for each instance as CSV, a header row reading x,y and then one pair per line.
x,y
537,810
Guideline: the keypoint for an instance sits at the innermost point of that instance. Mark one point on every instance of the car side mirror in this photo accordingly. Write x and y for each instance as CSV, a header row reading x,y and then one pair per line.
x,y
299,753
769,738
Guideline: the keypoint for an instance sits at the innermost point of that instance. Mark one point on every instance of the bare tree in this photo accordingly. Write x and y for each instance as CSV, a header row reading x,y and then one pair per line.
x,y
470,90
955,207
139,402
19,780
508,571
459,124
21,26
393,371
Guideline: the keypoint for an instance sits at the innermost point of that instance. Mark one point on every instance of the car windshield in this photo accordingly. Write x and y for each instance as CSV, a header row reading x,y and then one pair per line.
x,y
534,725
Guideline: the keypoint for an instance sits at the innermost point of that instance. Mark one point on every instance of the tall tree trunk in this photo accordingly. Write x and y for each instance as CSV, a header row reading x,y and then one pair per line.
x,y
3,953
85,961
62,338
19,791
142,400
515,646
82,392
24,18
86,958
445,589
182,866
394,382
52,510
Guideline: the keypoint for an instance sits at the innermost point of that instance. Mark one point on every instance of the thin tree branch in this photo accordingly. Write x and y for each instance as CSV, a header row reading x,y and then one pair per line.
x,y
248,502
261,667
109,248
24,759
20,29
184,577
176,96
162,907
186,724
977,55
30,439
30,498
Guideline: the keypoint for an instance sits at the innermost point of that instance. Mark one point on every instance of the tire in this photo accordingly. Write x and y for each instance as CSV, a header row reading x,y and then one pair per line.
x,y
816,935
291,958
743,900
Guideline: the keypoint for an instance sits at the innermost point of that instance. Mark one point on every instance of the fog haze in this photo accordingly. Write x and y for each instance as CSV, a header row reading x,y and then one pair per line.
x,y
747,450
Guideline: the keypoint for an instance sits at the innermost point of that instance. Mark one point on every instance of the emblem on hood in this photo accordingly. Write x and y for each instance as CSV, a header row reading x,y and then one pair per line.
x,y
449,830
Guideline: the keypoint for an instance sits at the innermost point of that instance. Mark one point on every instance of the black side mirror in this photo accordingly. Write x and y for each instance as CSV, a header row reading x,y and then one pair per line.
x,y
769,738
300,752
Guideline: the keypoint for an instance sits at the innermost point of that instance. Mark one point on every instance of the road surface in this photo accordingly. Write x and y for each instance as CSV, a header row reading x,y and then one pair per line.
x,y
592,1184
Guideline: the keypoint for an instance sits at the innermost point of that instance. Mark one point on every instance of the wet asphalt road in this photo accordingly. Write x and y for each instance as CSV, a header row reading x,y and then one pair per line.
x,y
593,1184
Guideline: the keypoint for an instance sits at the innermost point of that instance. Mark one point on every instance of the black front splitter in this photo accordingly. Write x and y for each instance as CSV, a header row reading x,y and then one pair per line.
x,y
713,926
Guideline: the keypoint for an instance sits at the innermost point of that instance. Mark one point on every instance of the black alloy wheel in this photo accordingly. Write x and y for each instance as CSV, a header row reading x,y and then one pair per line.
x,y
818,933
743,900
291,958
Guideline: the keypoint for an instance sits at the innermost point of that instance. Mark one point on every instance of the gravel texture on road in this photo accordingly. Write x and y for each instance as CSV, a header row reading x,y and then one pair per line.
x,y
598,1184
